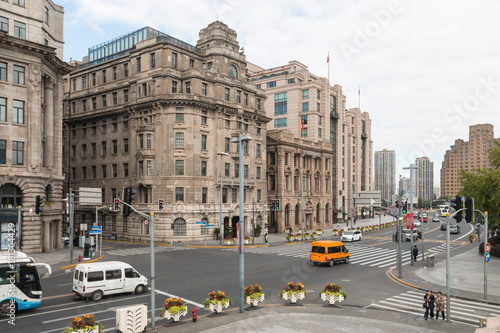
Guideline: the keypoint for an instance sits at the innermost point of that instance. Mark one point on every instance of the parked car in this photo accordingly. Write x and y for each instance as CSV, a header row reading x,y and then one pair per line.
x,y
454,229
351,236
417,224
436,219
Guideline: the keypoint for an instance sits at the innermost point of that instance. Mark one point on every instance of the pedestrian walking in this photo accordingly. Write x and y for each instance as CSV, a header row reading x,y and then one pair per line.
x,y
439,305
415,253
429,300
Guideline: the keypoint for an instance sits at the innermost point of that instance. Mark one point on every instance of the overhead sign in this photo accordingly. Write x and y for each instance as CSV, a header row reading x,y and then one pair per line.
x,y
368,198
95,232
487,248
91,196
487,257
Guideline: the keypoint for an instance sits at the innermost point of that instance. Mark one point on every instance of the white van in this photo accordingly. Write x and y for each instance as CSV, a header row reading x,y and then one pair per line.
x,y
105,278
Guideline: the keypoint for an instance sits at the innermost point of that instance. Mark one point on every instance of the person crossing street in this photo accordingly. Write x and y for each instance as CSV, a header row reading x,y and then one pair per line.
x,y
415,253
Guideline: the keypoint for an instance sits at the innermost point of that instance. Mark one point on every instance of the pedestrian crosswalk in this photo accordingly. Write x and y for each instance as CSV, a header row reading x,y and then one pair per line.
x,y
461,311
143,250
359,254
442,248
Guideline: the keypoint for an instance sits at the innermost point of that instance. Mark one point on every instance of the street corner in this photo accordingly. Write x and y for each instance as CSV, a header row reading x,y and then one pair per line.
x,y
82,262
400,280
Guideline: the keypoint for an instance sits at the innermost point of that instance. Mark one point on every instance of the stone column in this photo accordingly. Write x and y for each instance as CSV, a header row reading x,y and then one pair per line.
x,y
48,123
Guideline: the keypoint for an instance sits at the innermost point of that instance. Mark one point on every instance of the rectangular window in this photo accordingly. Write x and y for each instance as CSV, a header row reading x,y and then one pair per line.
x,y
280,104
125,145
115,73
19,30
125,169
149,167
94,149
179,194
174,86
18,74
281,122
125,69
104,174
174,60
148,141
257,173
272,158
84,105
305,94
179,140
272,182
204,118
204,89
245,99
204,142
257,149
4,24
94,79
271,84
258,104
226,94
188,87
245,147
238,96
115,98
94,103
234,195
153,60
245,171
319,132
94,172
104,103
204,194
303,134
125,96
103,148
179,117
141,168
84,150
3,71
84,82
115,170
179,167
224,195
318,94
236,170
74,85
3,151
18,112
3,109
115,146
227,142
138,64
227,123
191,63
318,107
141,141
17,153
227,167
103,76
203,168
18,2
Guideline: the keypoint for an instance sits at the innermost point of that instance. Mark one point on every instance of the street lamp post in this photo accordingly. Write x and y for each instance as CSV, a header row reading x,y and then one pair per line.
x,y
302,203
221,153
240,140
352,204
411,168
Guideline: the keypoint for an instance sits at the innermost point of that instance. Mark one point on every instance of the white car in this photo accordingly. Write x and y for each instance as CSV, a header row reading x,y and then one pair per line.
x,y
351,235
417,224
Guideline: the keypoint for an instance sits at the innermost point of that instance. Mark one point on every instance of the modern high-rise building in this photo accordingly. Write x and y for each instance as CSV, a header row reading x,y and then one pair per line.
x,y
424,181
151,112
31,94
385,173
330,147
466,155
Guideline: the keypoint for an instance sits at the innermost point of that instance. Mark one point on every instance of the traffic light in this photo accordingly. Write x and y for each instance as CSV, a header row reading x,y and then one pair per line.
x,y
128,197
458,205
468,212
116,204
277,204
273,204
38,203
405,207
397,204
160,204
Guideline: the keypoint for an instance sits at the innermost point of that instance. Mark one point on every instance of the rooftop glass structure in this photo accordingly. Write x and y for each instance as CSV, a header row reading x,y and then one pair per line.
x,y
123,44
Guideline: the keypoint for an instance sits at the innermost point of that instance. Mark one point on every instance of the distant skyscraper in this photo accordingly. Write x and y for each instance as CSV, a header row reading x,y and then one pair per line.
x,y
424,178
466,155
385,173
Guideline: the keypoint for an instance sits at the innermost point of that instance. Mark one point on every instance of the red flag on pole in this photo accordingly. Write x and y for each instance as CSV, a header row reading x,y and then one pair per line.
x,y
359,91
302,125
328,58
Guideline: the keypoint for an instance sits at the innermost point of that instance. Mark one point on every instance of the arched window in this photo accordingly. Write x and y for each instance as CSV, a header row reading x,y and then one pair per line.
x,y
179,227
232,72
259,221
327,212
11,196
317,213
287,215
297,214
204,230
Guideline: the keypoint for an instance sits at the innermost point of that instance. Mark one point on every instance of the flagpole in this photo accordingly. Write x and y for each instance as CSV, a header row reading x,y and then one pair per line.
x,y
328,61
359,97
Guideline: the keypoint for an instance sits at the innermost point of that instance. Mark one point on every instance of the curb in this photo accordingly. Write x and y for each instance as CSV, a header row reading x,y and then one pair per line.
x,y
223,246
74,265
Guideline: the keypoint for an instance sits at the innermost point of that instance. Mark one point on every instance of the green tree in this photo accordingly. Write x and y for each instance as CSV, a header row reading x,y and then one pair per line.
x,y
420,202
484,186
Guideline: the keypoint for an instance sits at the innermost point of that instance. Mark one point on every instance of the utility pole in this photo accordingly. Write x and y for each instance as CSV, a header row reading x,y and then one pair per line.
x,y
352,205
411,168
399,238
71,223
302,203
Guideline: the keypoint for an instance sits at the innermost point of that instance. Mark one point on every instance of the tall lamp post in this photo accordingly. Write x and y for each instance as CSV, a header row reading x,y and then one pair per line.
x,y
221,153
411,168
241,224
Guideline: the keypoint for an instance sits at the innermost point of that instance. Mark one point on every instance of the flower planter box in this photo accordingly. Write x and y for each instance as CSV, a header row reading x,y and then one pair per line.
x,y
294,296
247,241
335,232
254,301
219,306
229,242
332,298
93,330
175,317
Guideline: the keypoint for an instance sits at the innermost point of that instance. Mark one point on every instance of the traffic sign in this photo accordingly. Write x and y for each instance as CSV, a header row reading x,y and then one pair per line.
x,y
487,257
200,223
95,232
95,227
487,248
209,226
146,222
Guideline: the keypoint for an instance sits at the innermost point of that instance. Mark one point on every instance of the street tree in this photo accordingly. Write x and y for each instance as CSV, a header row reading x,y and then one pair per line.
x,y
484,186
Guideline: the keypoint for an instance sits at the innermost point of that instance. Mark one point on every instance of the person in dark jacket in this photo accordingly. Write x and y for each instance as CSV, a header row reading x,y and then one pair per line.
x,y
415,253
429,300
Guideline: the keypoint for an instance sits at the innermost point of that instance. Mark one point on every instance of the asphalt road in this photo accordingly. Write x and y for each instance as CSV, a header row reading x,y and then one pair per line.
x,y
191,273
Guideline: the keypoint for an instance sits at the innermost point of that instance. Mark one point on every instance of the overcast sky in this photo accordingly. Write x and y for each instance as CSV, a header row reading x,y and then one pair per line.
x,y
427,69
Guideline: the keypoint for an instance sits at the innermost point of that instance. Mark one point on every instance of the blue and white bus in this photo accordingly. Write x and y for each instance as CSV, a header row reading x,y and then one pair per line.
x,y
20,287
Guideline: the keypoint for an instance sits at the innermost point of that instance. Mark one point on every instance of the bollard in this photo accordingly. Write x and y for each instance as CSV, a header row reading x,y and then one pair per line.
x,y
481,323
194,311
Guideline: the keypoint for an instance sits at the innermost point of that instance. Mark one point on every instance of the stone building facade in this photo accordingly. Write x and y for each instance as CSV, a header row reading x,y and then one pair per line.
x,y
309,108
151,112
466,155
31,93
